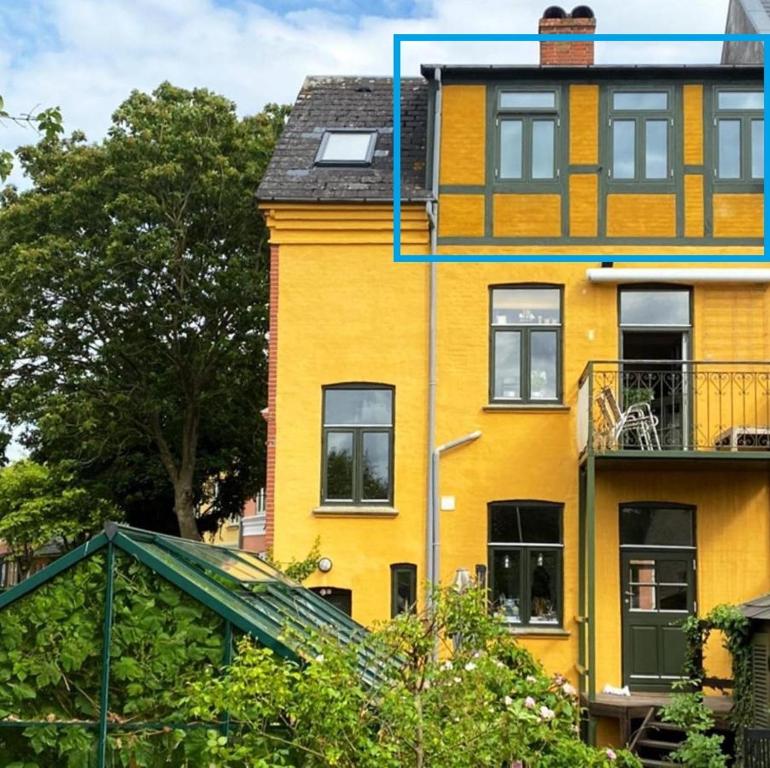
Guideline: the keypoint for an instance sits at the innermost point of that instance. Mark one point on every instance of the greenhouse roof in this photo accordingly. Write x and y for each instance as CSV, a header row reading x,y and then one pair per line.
x,y
242,589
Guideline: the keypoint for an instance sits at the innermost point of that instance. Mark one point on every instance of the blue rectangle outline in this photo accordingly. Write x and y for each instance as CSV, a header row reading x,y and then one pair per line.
x,y
558,258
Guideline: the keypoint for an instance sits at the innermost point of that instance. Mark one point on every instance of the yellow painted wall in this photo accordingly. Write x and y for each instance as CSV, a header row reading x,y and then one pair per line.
x,y
348,313
463,134
738,215
526,215
630,215
692,98
583,205
584,124
461,216
693,205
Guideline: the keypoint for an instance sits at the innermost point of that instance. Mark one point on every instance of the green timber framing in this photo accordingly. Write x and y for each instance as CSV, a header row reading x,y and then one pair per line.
x,y
590,461
610,78
277,612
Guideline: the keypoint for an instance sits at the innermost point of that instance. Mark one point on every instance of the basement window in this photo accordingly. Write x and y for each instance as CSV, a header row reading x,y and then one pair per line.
x,y
346,148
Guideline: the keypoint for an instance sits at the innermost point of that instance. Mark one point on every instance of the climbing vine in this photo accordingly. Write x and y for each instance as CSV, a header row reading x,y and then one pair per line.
x,y
51,663
734,627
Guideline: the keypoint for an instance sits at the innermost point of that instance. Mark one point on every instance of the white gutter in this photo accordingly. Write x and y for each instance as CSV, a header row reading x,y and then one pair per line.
x,y
674,275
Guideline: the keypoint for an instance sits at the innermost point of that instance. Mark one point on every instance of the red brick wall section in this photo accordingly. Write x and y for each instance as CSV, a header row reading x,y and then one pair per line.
x,y
272,378
569,53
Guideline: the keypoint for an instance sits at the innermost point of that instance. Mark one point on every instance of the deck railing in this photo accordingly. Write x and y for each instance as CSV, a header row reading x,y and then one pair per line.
x,y
673,405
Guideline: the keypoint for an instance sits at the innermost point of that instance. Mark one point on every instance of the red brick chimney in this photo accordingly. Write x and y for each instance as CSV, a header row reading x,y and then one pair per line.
x,y
556,21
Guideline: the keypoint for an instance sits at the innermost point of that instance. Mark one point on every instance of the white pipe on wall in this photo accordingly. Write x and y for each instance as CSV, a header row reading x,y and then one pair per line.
x,y
681,275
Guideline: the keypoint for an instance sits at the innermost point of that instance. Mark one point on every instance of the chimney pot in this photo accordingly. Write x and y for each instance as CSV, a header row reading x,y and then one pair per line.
x,y
557,21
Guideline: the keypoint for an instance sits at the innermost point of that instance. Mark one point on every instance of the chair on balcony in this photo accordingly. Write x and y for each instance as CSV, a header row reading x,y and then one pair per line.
x,y
637,420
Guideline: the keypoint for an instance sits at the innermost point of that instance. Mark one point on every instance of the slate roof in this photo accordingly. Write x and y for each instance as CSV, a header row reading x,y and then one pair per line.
x,y
350,102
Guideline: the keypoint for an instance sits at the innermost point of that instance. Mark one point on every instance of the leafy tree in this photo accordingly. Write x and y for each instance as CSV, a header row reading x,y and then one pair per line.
x,y
38,506
133,306
47,121
483,702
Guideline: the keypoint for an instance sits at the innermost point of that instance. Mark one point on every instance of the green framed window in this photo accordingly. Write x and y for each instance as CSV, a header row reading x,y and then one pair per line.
x,y
526,561
357,444
403,588
739,124
641,127
525,343
527,126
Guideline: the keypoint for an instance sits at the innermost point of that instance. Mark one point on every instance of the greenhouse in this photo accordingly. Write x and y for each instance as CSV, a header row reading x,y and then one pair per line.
x,y
98,648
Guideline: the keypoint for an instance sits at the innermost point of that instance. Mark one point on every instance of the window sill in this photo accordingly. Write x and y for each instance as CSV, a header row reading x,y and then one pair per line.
x,y
329,510
527,407
534,631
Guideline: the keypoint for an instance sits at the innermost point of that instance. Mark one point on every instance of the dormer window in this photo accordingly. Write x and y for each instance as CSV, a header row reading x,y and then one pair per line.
x,y
346,148
527,122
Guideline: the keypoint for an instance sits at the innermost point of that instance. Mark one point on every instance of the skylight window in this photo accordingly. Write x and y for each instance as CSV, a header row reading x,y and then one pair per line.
x,y
346,148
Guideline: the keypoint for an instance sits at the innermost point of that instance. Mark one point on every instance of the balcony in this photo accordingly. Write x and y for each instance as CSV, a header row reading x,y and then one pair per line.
x,y
674,409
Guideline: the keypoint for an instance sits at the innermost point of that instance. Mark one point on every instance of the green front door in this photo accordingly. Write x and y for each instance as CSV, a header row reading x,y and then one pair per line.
x,y
658,591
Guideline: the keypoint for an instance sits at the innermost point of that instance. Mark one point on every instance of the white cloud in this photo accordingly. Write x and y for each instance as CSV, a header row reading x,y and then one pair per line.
x,y
86,55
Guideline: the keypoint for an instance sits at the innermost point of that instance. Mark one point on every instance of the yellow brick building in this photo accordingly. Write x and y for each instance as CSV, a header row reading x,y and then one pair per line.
x,y
614,416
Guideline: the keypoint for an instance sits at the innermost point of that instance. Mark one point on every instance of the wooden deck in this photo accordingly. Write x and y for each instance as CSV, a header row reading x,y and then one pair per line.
x,y
624,709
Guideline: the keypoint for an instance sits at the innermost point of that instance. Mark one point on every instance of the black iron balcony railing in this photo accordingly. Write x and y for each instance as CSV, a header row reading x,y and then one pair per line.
x,y
674,405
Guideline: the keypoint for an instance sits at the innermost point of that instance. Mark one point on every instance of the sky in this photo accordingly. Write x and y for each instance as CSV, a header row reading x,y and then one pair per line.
x,y
86,56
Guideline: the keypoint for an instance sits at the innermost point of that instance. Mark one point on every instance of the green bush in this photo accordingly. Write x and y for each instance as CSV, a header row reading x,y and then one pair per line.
x,y
482,701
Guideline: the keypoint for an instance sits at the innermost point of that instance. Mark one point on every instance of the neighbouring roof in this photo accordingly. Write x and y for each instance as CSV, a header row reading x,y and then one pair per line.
x,y
758,608
327,103
236,585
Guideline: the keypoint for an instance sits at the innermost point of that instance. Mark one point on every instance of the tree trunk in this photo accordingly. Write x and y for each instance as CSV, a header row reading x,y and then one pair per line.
x,y
184,508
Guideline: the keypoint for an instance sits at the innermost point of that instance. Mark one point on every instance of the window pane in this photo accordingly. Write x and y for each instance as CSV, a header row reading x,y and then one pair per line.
x,y
404,589
640,100
528,100
376,466
514,523
654,526
510,149
339,466
543,365
526,306
672,571
654,307
543,579
346,147
623,149
656,149
757,149
729,149
358,406
672,598
507,364
505,578
543,135
741,100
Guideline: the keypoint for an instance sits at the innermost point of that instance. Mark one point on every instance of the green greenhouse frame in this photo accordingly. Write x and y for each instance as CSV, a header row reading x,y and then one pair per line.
x,y
247,593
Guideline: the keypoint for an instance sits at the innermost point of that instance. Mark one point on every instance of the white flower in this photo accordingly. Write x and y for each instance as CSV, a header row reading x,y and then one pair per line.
x,y
458,680
610,754
470,666
531,679
507,700
320,658
568,689
529,702
546,714
447,664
